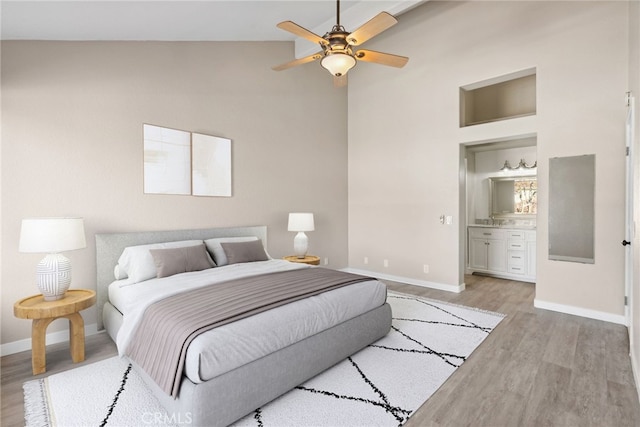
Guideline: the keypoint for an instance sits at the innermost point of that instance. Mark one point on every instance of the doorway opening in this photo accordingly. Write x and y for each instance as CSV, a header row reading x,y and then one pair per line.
x,y
498,207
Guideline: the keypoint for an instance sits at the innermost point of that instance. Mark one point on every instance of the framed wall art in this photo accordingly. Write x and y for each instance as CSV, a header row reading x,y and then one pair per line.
x,y
181,162
211,165
167,160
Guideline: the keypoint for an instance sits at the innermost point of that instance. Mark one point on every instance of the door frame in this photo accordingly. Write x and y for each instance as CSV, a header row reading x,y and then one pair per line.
x,y
629,212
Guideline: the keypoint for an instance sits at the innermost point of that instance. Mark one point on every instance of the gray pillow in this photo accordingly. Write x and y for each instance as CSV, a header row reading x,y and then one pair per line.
x,y
181,260
238,252
216,251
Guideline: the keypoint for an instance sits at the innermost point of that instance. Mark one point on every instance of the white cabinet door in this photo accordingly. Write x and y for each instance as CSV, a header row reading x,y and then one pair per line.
x,y
478,254
497,255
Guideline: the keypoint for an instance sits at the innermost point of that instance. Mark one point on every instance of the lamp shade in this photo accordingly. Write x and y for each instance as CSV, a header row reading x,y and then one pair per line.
x,y
51,235
301,222
338,63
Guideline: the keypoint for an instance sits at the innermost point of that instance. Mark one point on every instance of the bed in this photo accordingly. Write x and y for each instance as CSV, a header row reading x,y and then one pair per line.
x,y
221,381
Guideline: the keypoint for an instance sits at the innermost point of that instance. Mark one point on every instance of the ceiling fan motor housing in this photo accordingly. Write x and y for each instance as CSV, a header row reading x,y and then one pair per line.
x,y
336,38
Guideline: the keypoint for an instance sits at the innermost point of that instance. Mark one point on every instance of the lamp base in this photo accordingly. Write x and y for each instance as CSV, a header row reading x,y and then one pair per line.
x,y
53,297
53,276
300,244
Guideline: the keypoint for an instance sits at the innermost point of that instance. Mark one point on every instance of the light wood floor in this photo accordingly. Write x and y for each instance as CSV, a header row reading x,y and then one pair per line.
x,y
537,368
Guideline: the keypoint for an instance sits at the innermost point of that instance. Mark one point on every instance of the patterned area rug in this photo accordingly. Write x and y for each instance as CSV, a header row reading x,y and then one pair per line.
x,y
382,385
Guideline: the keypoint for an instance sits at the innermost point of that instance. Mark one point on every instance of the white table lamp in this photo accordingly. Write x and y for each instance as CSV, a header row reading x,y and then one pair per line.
x,y
300,222
52,236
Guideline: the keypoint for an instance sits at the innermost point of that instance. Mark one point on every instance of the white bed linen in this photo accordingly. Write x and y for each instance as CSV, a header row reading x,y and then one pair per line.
x,y
227,347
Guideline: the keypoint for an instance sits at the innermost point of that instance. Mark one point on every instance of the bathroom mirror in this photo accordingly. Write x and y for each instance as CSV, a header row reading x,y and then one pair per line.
x,y
515,196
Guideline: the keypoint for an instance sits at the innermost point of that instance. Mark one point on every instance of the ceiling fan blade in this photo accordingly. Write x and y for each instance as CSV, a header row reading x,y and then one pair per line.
x,y
371,28
298,61
381,58
340,81
299,31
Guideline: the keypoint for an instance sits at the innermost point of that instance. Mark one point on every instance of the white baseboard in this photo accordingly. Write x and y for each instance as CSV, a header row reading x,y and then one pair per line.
x,y
52,338
583,312
423,283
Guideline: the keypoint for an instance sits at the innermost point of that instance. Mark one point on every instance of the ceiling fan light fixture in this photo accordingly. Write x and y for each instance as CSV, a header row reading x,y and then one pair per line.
x,y
338,63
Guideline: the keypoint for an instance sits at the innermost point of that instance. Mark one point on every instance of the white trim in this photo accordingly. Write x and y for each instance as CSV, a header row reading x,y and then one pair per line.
x,y
500,79
417,282
502,275
52,338
583,312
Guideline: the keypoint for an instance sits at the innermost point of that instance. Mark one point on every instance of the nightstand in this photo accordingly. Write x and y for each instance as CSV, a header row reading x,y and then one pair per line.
x,y
44,312
309,259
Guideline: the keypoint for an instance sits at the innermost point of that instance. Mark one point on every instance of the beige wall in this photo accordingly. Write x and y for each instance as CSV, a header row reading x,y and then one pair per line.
x,y
404,151
72,116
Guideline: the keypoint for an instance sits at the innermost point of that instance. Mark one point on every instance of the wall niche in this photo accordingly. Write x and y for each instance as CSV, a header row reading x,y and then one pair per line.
x,y
501,98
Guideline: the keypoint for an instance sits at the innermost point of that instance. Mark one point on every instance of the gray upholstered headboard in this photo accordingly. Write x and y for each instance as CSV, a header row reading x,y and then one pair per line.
x,y
109,247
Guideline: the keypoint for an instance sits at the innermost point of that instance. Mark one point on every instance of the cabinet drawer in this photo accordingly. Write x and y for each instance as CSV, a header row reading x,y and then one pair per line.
x,y
516,245
516,235
516,258
486,233
516,269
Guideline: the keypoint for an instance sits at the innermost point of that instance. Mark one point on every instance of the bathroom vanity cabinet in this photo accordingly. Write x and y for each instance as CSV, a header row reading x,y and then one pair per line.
x,y
509,253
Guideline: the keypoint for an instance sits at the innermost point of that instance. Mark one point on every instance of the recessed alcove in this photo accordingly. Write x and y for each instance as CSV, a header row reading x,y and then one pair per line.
x,y
505,97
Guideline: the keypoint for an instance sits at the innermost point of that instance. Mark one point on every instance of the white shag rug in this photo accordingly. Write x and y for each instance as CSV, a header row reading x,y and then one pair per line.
x,y
379,386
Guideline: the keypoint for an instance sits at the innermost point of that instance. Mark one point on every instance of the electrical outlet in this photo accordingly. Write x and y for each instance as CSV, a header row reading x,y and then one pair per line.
x,y
326,261
448,220
425,268
386,263
366,260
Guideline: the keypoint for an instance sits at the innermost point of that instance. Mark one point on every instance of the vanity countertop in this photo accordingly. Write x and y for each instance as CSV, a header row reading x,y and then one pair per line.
x,y
506,226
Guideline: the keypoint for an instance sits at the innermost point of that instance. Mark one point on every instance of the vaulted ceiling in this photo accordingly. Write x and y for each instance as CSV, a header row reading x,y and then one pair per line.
x,y
217,20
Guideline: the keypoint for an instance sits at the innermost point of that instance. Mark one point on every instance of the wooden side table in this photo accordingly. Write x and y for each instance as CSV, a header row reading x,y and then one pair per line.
x,y
309,259
44,312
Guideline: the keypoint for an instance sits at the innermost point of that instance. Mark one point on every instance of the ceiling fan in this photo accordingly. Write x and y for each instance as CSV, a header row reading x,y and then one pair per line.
x,y
338,54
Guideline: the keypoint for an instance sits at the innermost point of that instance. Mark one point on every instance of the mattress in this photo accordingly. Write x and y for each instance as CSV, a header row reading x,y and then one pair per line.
x,y
230,346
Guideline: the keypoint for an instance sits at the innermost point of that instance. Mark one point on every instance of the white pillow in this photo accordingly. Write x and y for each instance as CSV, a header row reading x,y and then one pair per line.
x,y
137,262
215,248
119,272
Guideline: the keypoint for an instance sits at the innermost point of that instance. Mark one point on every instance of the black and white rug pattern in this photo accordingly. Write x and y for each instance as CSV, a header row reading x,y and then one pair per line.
x,y
382,385
386,382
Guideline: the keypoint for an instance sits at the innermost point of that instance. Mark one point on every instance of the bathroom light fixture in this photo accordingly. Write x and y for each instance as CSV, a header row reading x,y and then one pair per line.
x,y
506,166
526,166
300,222
52,236
522,165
